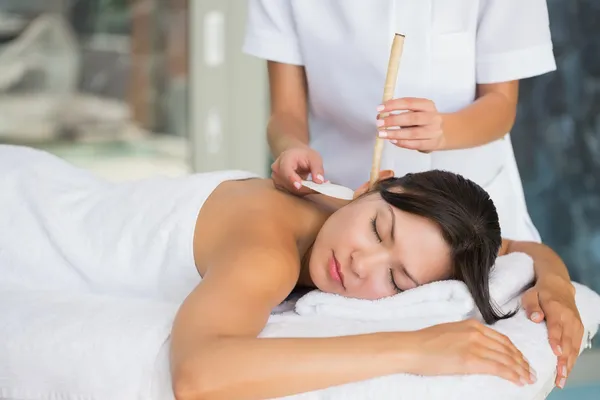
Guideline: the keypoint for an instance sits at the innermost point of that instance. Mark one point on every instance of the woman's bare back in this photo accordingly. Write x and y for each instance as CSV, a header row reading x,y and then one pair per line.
x,y
252,204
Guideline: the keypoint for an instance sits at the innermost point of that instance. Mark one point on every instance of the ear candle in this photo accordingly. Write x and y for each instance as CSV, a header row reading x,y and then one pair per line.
x,y
388,94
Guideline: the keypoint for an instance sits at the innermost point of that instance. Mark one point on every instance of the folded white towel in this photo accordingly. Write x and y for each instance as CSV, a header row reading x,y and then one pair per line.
x,y
529,337
72,347
443,300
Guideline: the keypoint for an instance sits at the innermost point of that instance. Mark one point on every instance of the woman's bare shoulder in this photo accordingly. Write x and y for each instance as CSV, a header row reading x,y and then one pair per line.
x,y
242,211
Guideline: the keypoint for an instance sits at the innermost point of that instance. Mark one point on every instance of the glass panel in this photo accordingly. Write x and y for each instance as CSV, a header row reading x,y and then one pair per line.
x,y
557,142
102,83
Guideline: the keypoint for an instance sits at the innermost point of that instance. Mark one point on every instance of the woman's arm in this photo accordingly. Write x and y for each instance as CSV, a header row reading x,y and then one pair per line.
x,y
488,118
215,352
288,125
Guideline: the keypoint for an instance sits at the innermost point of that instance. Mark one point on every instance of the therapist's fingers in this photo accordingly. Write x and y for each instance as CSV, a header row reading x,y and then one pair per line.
x,y
422,145
407,103
315,166
408,119
531,304
287,176
414,133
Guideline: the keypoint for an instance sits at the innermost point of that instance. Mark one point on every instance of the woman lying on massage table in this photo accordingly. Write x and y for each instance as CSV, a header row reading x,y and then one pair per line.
x,y
258,243
250,245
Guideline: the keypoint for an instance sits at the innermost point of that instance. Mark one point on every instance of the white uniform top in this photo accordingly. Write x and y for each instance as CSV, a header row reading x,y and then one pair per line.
x,y
450,47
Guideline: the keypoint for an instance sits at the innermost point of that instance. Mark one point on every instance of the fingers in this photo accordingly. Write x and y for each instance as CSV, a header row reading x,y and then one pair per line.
x,y
292,167
531,304
505,342
287,173
408,119
502,356
424,146
577,339
504,366
554,337
407,103
410,134
570,342
316,168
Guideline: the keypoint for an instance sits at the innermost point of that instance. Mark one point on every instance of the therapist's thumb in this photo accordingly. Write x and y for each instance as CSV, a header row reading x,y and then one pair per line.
x,y
531,303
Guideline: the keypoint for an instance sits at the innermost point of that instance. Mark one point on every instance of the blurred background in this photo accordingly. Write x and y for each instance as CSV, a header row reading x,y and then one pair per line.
x,y
138,88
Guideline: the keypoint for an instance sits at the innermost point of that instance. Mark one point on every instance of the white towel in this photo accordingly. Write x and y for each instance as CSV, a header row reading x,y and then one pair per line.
x,y
443,300
73,347
529,337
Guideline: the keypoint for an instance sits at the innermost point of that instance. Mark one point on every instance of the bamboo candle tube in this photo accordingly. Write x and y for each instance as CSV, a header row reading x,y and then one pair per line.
x,y
388,94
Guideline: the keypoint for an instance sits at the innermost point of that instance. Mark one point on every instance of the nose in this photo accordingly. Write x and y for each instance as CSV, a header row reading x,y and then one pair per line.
x,y
365,262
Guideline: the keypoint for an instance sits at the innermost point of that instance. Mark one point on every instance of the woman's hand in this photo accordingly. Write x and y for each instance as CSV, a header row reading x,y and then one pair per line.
x,y
469,347
293,165
420,124
555,301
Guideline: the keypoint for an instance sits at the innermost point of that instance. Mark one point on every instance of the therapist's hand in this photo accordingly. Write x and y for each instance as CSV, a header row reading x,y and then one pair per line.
x,y
554,301
420,123
293,165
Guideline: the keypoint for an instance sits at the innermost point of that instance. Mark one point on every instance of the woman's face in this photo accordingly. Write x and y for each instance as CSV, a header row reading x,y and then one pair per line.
x,y
370,250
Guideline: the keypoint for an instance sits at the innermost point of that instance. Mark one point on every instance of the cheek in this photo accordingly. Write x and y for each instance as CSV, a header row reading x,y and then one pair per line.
x,y
342,228
374,289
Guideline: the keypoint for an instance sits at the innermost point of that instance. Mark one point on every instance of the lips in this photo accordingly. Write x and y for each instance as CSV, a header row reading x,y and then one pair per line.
x,y
335,270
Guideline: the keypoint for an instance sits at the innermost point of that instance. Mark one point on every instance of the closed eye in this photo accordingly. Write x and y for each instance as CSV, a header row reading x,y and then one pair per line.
x,y
394,282
374,226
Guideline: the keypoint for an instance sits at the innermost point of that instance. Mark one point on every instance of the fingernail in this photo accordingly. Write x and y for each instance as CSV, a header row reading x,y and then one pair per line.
x,y
532,372
393,141
535,316
382,134
297,185
380,108
562,383
532,377
559,349
320,177
564,371
523,381
380,122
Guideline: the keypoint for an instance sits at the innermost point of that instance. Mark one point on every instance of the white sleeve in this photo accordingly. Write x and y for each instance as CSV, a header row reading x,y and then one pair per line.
x,y
513,40
271,32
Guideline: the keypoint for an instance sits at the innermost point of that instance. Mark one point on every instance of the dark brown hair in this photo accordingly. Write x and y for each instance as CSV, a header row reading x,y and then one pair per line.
x,y
468,220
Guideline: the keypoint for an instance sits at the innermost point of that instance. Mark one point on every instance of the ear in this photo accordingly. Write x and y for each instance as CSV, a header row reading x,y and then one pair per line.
x,y
364,188
385,174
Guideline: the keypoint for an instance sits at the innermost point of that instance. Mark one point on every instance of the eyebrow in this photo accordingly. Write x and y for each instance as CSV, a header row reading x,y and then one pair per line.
x,y
393,223
402,267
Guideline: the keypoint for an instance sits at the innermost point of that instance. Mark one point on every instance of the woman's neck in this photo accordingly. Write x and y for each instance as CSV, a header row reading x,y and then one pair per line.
x,y
304,278
320,209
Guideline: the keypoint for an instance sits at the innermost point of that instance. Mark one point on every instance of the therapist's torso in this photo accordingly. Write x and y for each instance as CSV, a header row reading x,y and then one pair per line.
x,y
450,46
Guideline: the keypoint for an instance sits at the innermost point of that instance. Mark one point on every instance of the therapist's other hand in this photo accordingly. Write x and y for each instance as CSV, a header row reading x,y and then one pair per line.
x,y
418,127
294,165
554,301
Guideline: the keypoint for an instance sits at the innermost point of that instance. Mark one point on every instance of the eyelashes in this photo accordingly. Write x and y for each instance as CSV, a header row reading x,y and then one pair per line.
x,y
374,227
393,282
379,240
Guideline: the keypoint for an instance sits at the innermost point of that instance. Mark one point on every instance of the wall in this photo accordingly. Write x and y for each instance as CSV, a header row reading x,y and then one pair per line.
x,y
557,140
